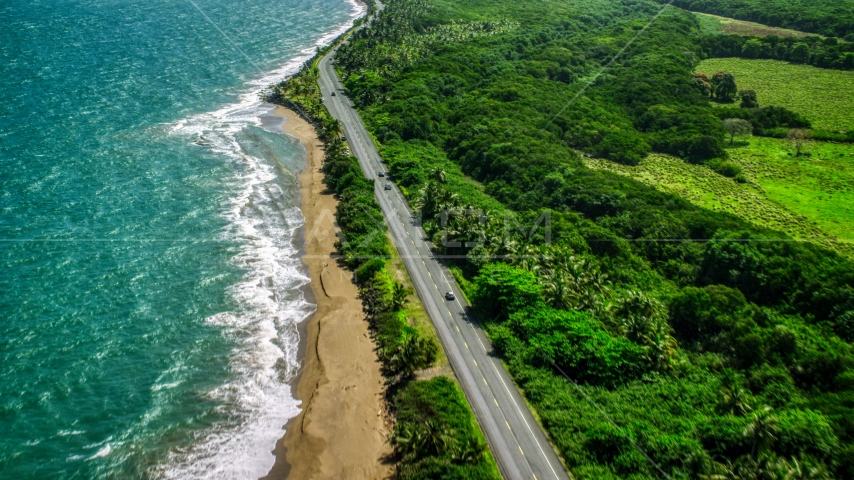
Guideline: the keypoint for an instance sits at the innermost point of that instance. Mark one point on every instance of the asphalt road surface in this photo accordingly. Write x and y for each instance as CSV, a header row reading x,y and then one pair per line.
x,y
519,445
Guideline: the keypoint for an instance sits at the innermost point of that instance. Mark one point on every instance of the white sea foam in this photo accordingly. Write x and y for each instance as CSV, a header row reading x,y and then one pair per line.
x,y
103,452
263,220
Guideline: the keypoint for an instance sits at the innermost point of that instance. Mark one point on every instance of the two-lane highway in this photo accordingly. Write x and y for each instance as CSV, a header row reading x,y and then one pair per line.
x,y
518,444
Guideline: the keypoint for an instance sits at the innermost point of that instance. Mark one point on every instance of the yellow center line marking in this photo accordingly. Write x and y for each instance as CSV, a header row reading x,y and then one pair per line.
x,y
466,344
458,328
520,449
496,401
484,382
535,477
508,425
475,362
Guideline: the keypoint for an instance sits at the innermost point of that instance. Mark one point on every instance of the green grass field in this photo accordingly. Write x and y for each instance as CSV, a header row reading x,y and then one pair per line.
x,y
819,187
715,24
825,97
808,198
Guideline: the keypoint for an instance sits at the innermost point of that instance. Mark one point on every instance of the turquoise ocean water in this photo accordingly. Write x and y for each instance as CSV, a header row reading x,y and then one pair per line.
x,y
149,287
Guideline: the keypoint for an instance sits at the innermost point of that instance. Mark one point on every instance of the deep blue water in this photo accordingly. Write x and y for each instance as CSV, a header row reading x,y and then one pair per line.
x,y
149,289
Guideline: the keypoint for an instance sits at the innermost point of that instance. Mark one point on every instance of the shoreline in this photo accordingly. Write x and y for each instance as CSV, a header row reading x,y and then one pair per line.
x,y
341,430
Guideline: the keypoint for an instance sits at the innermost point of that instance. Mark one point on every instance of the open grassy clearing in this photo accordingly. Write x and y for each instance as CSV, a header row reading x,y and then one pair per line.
x,y
706,188
820,187
825,97
714,24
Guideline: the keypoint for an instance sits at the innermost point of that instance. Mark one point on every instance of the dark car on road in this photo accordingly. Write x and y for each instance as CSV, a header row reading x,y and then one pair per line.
x,y
381,174
450,296
388,186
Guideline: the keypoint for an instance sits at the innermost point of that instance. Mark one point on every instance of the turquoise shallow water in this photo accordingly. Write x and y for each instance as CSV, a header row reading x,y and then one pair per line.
x,y
149,288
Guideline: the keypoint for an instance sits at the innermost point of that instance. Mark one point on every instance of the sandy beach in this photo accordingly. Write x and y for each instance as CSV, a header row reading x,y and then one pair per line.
x,y
341,431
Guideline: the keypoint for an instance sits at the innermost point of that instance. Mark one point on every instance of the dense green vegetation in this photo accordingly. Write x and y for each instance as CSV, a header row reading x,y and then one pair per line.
x,y
822,96
832,18
826,53
717,347
435,434
433,423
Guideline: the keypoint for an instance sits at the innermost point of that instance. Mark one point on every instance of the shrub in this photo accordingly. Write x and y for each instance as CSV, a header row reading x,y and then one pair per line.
x,y
774,385
724,435
844,325
727,169
579,345
805,431
501,289
369,269
748,99
705,148
697,314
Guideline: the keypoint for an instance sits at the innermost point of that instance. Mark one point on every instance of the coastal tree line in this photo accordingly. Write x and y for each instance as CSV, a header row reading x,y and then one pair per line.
x,y
823,53
434,434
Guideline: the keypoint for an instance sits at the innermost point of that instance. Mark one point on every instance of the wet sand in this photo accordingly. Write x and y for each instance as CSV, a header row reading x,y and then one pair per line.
x,y
341,431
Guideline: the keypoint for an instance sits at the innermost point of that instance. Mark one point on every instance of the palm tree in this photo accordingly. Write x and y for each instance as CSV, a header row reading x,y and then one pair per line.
x,y
528,258
437,438
804,469
642,319
632,309
499,240
735,399
435,199
466,226
331,129
334,147
399,296
469,451
419,440
661,347
438,175
407,440
748,467
445,200
556,290
762,430
569,282
412,354
721,471
373,302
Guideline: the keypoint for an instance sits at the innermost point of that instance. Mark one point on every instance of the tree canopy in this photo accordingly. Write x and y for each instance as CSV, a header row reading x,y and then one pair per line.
x,y
600,293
